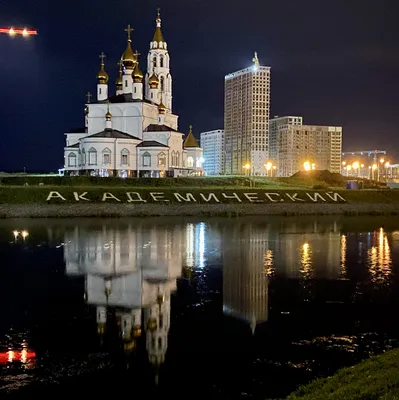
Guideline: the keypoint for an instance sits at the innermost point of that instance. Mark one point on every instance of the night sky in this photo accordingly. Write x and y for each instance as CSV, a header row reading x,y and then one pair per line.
x,y
333,62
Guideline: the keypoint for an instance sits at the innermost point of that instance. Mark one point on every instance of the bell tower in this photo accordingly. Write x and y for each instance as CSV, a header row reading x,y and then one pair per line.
x,y
158,65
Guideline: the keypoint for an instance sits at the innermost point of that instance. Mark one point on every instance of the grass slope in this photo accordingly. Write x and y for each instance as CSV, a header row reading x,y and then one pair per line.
x,y
38,195
375,378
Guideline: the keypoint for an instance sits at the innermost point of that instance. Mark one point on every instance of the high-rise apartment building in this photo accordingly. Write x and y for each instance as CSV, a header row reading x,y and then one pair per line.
x,y
213,146
246,119
293,144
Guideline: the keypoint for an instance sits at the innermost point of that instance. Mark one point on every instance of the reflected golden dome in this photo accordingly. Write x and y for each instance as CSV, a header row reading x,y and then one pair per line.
x,y
152,324
136,332
153,81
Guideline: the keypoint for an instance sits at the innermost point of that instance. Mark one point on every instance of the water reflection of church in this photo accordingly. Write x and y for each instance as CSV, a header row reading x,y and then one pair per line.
x,y
131,271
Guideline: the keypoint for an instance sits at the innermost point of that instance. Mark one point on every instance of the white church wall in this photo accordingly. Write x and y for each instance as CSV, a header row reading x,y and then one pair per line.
x,y
73,138
152,154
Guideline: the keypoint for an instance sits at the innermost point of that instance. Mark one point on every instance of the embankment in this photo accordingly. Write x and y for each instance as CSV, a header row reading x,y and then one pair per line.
x,y
91,201
375,378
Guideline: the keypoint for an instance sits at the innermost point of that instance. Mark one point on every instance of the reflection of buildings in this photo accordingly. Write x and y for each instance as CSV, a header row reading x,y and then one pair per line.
x,y
131,272
245,281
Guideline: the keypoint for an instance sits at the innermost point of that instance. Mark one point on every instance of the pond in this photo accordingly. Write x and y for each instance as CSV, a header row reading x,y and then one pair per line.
x,y
224,308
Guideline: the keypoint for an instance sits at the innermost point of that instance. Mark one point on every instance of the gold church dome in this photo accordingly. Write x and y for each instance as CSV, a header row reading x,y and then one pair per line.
x,y
102,76
128,57
137,74
161,108
153,81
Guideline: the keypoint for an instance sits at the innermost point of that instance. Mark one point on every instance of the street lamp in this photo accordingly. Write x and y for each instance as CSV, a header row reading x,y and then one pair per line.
x,y
268,167
306,166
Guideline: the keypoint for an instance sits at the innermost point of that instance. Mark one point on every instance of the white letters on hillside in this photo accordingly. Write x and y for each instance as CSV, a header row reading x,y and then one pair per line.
x,y
55,195
205,197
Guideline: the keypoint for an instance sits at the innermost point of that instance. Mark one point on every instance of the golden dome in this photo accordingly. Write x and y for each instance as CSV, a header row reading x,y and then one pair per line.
x,y
102,76
190,141
119,80
162,110
152,324
128,57
158,36
137,74
108,117
153,81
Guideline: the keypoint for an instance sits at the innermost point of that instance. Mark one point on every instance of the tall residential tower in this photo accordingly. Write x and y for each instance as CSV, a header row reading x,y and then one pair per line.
x,y
246,119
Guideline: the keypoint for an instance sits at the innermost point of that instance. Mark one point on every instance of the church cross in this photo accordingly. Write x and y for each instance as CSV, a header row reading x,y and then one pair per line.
x,y
136,53
88,95
102,56
120,63
129,30
159,12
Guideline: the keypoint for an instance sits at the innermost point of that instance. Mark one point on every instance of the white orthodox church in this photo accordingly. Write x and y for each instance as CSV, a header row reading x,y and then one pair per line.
x,y
134,133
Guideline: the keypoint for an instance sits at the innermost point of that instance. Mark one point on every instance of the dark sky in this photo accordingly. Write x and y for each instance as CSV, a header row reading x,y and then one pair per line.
x,y
333,62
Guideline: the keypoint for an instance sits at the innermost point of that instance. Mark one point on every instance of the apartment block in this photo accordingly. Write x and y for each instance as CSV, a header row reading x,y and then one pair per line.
x,y
293,144
213,146
246,118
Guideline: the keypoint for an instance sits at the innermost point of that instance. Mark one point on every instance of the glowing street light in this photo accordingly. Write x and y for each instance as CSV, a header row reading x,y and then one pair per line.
x,y
306,166
355,165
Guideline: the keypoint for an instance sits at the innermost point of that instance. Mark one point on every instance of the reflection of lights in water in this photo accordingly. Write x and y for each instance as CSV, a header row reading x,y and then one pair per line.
x,y
269,263
201,250
190,245
24,234
23,355
343,256
306,261
16,234
10,356
379,260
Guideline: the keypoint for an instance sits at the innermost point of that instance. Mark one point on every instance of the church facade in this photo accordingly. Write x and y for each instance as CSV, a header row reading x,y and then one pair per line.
x,y
133,132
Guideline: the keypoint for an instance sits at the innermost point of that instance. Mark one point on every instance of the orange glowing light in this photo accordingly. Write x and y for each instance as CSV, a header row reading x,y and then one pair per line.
x,y
18,31
22,356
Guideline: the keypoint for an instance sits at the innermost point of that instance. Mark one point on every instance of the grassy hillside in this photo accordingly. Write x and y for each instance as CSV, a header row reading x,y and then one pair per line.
x,y
375,378
302,180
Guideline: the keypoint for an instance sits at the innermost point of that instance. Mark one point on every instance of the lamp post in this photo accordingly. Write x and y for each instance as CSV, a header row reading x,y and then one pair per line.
x,y
247,168
268,167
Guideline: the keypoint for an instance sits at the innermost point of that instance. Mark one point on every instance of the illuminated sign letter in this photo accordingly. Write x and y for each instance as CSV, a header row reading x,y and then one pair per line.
x,y
109,196
293,197
55,195
189,197
233,196
315,197
253,197
211,196
269,196
158,196
335,196
80,196
131,199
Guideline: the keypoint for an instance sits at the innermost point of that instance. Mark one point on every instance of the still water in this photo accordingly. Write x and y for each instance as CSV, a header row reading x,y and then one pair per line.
x,y
224,308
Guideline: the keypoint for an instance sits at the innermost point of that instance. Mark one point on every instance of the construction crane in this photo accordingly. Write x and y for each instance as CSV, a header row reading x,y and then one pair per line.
x,y
368,153
18,31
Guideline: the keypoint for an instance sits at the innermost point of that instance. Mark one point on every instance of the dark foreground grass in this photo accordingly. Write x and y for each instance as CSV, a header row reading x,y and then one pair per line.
x,y
375,378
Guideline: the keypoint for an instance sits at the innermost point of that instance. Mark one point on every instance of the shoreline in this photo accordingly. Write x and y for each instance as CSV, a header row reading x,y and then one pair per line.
x,y
183,210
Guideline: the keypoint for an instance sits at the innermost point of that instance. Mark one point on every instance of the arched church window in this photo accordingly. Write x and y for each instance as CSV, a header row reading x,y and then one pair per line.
x,y
162,83
92,156
125,157
173,158
161,62
161,159
154,62
106,156
72,160
190,162
146,159
83,157
177,158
